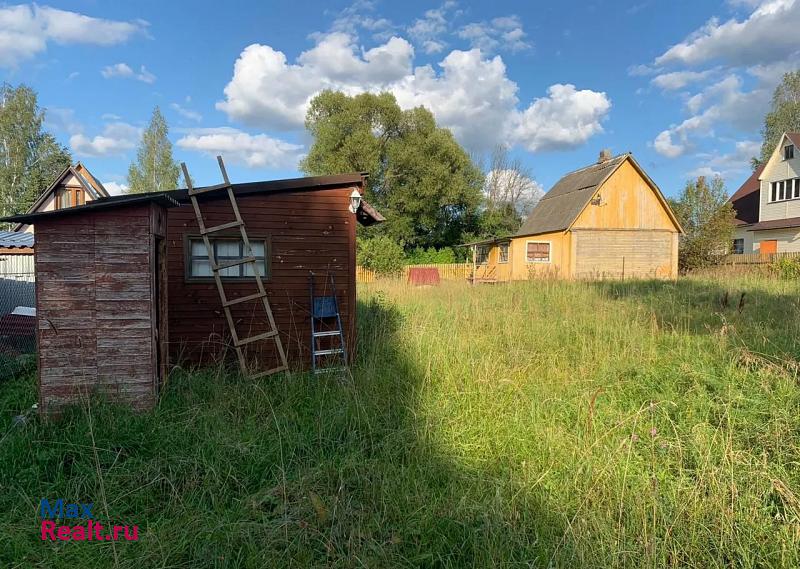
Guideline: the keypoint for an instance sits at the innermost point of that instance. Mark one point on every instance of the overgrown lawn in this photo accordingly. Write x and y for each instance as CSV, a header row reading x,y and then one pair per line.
x,y
533,424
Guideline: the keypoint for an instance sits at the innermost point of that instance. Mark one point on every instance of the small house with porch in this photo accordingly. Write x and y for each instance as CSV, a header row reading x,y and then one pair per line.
x,y
605,220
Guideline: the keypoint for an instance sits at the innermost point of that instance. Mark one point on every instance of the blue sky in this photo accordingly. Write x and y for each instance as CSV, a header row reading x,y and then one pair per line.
x,y
683,85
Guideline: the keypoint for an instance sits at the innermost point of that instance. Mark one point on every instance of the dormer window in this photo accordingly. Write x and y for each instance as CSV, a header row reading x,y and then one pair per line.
x,y
788,152
70,197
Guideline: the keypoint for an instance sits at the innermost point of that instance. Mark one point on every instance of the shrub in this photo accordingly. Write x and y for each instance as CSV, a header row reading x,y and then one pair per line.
x,y
787,268
431,256
381,254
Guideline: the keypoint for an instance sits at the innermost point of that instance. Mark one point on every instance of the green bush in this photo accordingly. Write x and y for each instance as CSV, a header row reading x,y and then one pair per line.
x,y
787,268
431,256
381,254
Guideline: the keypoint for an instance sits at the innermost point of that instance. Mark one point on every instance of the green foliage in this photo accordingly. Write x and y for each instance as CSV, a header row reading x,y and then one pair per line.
x,y
537,424
431,256
419,177
381,254
30,158
707,219
787,268
784,116
154,169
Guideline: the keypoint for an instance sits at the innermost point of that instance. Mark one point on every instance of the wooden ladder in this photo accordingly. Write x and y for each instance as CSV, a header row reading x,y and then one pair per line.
x,y
248,258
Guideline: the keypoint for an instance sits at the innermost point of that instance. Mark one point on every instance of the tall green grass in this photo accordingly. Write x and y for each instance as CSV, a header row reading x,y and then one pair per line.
x,y
536,424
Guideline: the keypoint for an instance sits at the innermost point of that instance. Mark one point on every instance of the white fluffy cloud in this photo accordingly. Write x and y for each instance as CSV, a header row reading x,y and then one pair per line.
x,y
750,54
729,164
126,72
116,139
468,92
566,118
26,29
500,33
768,34
116,188
679,79
240,147
268,92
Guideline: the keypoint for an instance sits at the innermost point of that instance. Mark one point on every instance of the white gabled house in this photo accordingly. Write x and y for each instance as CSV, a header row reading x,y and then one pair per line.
x,y
768,204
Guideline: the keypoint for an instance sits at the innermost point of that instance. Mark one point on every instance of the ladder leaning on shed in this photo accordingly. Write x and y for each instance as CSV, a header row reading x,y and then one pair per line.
x,y
238,343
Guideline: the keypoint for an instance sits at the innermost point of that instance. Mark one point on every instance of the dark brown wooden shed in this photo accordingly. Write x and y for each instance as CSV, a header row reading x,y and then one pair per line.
x,y
124,289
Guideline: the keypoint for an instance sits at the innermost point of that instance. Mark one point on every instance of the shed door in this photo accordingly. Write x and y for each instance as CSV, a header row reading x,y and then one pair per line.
x,y
622,254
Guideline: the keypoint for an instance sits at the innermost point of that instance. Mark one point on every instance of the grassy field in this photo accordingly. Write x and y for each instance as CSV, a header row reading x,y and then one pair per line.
x,y
539,424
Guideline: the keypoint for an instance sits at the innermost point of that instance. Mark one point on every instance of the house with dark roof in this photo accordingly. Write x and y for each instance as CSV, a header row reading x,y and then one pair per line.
x,y
126,286
605,220
74,186
767,205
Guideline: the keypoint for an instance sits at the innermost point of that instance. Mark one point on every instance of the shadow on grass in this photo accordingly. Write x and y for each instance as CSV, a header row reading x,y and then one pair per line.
x,y
764,320
291,471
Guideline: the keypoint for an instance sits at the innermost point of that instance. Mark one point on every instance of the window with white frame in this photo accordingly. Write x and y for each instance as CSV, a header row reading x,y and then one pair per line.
x,y
788,152
226,250
783,190
503,253
738,247
538,251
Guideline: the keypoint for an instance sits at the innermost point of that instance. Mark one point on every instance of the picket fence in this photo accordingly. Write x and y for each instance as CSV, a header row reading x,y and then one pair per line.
x,y
451,272
757,258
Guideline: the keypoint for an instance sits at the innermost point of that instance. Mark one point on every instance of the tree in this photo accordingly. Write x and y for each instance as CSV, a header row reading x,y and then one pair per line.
x,y
154,169
30,158
784,115
509,194
707,219
419,177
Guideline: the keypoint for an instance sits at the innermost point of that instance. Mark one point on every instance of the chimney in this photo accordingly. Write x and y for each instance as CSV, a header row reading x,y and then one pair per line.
x,y
605,155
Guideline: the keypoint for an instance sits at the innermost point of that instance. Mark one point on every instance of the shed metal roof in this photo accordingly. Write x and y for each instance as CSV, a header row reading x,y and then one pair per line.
x,y
15,240
367,215
161,198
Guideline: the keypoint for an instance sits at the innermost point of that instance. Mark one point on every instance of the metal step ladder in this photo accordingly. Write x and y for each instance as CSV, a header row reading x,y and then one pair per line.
x,y
326,322
248,259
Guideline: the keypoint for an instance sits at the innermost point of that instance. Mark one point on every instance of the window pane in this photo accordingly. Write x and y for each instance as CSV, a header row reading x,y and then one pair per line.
x,y
797,187
230,271
227,248
200,268
774,191
261,265
198,248
257,247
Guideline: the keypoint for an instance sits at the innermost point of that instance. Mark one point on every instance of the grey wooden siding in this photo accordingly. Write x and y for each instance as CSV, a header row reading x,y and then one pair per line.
x,y
614,254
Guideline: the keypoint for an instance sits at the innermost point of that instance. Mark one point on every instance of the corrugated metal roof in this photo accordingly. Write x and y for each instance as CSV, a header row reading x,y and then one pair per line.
x,y
15,239
162,198
368,214
561,205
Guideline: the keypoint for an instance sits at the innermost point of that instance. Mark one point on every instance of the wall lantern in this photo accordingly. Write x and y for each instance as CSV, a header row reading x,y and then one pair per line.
x,y
355,201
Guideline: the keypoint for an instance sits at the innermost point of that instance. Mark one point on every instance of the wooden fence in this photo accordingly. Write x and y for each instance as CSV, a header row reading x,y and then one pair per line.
x,y
451,272
757,258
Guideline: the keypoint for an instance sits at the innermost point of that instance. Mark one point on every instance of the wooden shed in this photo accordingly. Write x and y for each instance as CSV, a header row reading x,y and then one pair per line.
x,y
606,220
125,288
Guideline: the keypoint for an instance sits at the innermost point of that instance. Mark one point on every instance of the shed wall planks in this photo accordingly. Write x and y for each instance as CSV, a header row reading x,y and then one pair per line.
x,y
94,304
307,231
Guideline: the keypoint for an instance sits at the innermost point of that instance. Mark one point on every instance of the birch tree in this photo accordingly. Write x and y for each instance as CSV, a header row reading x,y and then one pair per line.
x,y
154,170
30,158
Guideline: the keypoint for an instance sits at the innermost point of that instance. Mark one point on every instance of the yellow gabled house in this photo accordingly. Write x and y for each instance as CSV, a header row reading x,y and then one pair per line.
x,y
607,220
